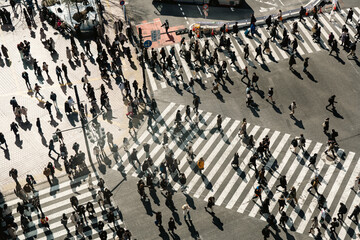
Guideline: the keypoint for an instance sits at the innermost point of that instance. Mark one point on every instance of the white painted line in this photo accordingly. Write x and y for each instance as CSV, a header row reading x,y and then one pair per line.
x,y
146,133
199,10
212,156
235,176
251,47
291,37
325,35
151,78
243,184
206,148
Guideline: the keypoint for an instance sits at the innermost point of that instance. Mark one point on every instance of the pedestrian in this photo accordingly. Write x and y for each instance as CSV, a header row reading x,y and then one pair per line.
x,y
25,76
257,192
37,91
342,210
352,49
171,225
283,219
270,95
126,144
326,125
355,214
44,221
334,224
246,51
158,217
14,103
312,161
15,128
292,108
64,221
186,211
292,195
100,199
200,165
90,209
349,15
259,53
3,140
47,173
334,48
315,182
245,74
283,182
210,204
331,101
58,74
219,121
14,174
302,13
52,148
314,224
356,186
281,202
266,232
166,25
306,64
292,62
45,68
242,132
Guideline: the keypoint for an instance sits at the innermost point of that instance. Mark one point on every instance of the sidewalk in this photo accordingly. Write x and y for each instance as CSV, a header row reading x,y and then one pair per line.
x,y
30,155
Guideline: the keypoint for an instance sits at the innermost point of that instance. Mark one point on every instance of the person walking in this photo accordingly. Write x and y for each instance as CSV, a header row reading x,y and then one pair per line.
x,y
37,91
331,101
219,122
64,221
283,182
259,53
266,232
349,15
25,76
292,108
355,214
210,204
246,51
314,224
334,224
158,217
3,140
186,211
312,161
342,210
47,173
52,148
326,125
166,25
15,128
315,182
257,193
201,165
270,95
14,174
306,64
281,202
292,62
356,186
44,221
171,225
100,199
14,103
334,48
292,195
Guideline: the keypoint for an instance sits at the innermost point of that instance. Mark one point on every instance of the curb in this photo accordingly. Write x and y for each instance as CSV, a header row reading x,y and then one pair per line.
x,y
260,21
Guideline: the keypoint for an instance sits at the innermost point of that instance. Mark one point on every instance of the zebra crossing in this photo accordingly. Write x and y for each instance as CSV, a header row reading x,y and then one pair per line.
x,y
234,188
306,45
56,201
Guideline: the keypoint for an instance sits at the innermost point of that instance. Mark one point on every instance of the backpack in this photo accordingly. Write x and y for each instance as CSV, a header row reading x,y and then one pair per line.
x,y
294,142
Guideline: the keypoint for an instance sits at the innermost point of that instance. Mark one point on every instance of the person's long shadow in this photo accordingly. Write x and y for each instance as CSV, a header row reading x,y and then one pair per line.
x,y
310,76
147,206
297,74
336,113
18,142
163,234
297,122
217,222
155,197
7,154
190,201
194,233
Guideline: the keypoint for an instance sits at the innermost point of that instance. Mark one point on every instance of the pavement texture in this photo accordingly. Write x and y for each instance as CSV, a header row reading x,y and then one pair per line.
x,y
29,155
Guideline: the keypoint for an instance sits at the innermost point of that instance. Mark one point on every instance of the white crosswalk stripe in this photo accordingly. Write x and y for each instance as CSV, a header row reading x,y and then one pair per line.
x,y
55,203
305,46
